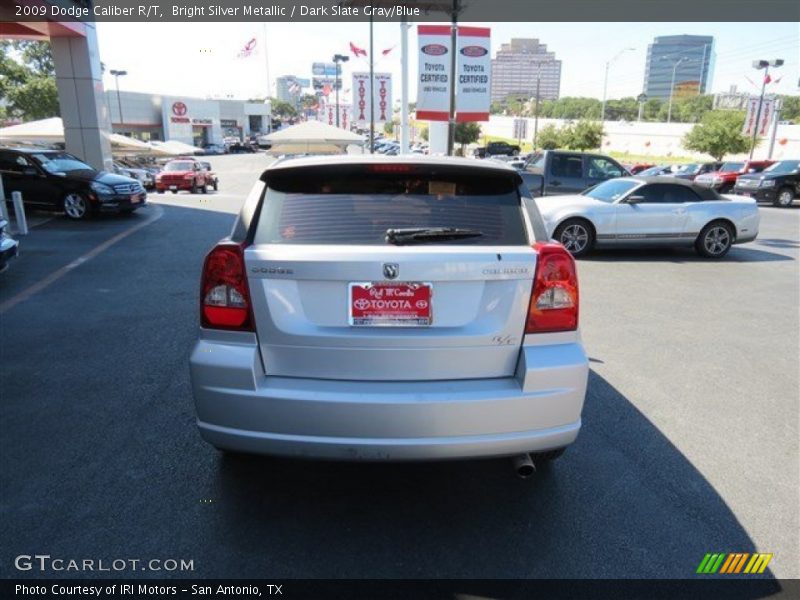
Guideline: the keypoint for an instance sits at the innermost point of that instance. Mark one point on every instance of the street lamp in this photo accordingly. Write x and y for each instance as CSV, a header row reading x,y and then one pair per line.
x,y
117,74
536,105
672,84
762,64
605,81
338,58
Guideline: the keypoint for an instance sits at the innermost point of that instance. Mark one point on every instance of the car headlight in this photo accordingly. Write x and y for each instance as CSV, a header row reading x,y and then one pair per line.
x,y
718,180
767,183
101,188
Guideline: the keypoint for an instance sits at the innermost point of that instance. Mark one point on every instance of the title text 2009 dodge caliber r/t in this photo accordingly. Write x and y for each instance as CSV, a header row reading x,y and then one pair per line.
x,y
389,309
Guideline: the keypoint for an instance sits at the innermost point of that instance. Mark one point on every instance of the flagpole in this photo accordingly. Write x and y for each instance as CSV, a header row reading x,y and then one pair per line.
x,y
404,85
266,61
371,87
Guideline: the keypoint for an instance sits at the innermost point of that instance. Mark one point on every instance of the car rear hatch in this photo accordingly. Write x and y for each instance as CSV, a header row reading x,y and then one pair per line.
x,y
333,299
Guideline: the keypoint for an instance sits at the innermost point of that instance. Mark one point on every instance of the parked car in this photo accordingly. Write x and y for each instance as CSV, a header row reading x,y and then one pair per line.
x,y
214,149
691,170
143,176
53,179
496,149
211,176
319,334
650,211
725,179
183,174
554,172
242,148
657,170
779,183
636,168
9,247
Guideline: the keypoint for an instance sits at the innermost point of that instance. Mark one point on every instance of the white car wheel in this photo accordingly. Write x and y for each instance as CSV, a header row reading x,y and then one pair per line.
x,y
715,240
785,198
576,236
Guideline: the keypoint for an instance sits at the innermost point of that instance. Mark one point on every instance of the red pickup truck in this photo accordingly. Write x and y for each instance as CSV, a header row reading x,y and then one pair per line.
x,y
724,179
183,174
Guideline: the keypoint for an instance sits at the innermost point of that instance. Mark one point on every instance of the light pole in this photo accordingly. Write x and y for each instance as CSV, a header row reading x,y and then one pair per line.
x,y
537,98
338,58
762,64
117,74
605,81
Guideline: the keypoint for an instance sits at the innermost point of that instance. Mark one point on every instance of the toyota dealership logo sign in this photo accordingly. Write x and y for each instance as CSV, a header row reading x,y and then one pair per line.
x,y
434,49
179,109
474,51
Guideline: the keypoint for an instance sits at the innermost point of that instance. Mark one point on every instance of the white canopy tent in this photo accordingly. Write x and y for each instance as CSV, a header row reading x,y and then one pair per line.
x,y
313,137
51,131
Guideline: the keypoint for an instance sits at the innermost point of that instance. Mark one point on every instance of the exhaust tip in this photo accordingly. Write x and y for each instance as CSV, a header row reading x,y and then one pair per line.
x,y
523,466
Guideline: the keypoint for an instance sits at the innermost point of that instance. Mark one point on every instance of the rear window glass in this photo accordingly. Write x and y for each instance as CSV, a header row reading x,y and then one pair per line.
x,y
346,206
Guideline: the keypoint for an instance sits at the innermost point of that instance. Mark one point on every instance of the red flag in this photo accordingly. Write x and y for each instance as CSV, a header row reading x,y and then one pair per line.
x,y
386,52
248,49
777,80
767,78
326,90
357,51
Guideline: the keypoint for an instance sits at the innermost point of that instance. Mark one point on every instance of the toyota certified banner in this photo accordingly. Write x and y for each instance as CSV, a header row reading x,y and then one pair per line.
x,y
382,97
764,118
433,85
473,94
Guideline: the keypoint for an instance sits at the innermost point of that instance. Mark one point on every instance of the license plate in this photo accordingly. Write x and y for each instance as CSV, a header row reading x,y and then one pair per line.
x,y
748,194
390,304
136,199
173,187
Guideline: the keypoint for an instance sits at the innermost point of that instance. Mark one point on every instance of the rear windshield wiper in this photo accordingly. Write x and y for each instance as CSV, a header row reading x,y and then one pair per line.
x,y
428,234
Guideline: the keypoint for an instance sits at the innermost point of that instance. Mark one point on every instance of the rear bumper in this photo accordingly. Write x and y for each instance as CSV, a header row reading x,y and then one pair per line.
x,y
182,185
239,408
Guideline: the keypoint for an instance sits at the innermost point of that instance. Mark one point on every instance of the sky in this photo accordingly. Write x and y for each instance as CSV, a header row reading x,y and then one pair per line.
x,y
199,59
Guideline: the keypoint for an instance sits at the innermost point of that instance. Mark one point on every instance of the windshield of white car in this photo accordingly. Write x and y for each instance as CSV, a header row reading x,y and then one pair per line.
x,y
359,207
61,162
611,191
784,166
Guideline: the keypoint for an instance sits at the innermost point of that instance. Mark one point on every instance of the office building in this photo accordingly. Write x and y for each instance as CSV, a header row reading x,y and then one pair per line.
x,y
518,66
690,58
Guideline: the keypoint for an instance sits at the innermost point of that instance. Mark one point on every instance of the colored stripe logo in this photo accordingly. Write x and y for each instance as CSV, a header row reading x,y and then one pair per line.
x,y
733,563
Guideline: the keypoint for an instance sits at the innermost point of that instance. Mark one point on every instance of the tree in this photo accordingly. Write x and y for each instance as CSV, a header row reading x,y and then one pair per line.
x,y
308,101
583,135
27,80
467,133
282,109
423,133
718,133
791,108
548,138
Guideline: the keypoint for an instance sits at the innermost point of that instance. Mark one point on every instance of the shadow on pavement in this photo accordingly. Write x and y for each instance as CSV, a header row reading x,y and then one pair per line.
x,y
744,253
623,502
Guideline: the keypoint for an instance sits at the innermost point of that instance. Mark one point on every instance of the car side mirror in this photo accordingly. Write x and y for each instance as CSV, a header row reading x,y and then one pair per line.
x,y
634,199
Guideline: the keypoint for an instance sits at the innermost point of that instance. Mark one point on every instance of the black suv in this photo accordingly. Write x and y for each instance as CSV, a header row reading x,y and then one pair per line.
x,y
53,179
779,183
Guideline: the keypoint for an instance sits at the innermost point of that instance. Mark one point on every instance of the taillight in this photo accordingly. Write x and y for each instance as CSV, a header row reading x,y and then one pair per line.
x,y
554,299
224,295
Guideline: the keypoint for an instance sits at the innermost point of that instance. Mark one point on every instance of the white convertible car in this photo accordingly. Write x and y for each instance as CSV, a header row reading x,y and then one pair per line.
x,y
650,211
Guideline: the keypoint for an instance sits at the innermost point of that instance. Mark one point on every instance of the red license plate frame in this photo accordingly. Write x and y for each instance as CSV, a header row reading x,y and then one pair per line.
x,y
390,304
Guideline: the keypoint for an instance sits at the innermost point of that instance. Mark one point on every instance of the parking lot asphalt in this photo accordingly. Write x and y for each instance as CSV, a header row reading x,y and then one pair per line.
x,y
690,438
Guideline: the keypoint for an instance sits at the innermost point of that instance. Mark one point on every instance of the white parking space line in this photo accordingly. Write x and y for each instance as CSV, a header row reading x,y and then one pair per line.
x,y
157,213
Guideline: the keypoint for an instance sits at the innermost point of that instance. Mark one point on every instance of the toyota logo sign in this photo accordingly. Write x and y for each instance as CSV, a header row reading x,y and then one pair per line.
x,y
434,49
178,109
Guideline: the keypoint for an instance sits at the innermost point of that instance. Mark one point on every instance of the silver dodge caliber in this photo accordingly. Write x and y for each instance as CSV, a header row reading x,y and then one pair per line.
x,y
389,308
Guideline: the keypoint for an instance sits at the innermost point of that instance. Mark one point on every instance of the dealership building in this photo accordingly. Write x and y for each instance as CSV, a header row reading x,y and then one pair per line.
x,y
195,121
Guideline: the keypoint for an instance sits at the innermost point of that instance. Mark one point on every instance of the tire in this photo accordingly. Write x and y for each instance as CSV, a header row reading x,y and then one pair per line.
x,y
194,188
160,191
576,235
204,189
546,457
76,206
784,198
715,240
174,191
216,185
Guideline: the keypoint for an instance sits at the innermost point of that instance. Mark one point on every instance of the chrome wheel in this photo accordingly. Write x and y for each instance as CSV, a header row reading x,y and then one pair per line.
x,y
785,198
75,206
717,240
575,238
